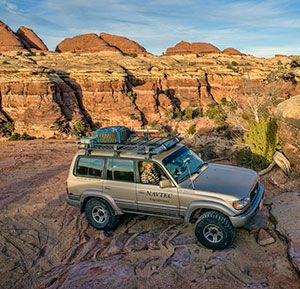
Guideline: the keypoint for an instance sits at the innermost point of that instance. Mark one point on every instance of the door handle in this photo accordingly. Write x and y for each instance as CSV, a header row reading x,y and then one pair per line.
x,y
107,188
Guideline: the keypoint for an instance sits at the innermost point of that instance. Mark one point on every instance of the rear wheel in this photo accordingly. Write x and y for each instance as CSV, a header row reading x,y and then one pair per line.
x,y
100,214
214,230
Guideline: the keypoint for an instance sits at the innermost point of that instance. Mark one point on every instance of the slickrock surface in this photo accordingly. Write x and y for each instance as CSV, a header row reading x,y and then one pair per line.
x,y
184,47
286,207
232,51
46,244
124,44
84,43
30,39
9,41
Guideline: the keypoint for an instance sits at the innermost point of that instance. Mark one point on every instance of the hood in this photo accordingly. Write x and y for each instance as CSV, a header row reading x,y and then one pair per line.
x,y
226,180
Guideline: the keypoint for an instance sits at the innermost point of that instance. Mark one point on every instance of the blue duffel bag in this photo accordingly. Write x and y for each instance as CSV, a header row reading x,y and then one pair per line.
x,y
113,134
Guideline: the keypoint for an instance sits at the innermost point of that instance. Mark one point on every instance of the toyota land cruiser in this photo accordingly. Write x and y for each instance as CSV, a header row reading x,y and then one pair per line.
x,y
106,181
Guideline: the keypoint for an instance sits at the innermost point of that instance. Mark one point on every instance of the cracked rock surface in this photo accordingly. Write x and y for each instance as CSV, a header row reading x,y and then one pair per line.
x,y
286,211
46,244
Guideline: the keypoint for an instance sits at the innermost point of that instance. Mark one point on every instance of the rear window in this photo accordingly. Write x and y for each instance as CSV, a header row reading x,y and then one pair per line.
x,y
91,167
120,170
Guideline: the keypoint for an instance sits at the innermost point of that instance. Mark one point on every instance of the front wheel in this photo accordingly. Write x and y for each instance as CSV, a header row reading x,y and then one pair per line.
x,y
214,230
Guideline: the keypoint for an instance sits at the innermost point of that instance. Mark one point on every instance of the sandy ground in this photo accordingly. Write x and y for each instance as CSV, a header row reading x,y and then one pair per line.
x,y
45,243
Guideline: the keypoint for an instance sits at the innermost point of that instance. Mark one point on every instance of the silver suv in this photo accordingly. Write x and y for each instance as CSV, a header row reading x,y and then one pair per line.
x,y
158,176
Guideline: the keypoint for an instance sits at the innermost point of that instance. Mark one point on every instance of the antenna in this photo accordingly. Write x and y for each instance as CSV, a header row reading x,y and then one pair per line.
x,y
186,163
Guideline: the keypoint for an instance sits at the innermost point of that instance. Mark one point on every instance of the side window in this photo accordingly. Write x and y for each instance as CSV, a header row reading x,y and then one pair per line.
x,y
120,170
150,173
91,167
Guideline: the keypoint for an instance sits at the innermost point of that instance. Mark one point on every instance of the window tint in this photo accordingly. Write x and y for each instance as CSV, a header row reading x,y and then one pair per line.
x,y
120,170
90,167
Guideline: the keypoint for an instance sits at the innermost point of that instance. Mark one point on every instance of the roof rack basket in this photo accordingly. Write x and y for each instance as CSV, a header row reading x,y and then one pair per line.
x,y
147,142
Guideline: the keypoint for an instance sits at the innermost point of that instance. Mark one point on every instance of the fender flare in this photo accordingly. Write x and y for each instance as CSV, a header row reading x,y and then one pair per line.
x,y
207,205
99,194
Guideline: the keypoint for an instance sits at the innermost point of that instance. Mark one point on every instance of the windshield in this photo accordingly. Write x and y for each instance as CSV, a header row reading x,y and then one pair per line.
x,y
177,164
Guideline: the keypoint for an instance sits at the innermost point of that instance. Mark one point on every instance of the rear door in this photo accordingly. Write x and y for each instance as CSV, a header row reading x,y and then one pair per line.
x,y
120,183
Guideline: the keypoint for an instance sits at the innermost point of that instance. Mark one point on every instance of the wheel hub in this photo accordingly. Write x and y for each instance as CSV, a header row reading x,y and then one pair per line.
x,y
213,233
99,214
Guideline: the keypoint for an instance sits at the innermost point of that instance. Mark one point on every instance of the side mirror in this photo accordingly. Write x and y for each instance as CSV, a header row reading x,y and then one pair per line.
x,y
165,184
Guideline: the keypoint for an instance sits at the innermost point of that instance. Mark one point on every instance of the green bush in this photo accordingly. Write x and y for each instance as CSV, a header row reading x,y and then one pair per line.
x,y
134,55
42,54
17,136
5,62
218,114
192,129
187,114
80,128
9,127
263,141
30,54
154,125
234,63
231,104
19,53
175,114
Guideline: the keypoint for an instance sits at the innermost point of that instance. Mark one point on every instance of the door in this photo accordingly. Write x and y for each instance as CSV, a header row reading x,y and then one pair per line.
x,y
153,199
120,183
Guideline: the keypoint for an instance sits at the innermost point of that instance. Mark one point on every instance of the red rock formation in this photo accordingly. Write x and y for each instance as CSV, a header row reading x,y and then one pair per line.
x,y
184,47
232,51
84,43
30,39
9,41
123,44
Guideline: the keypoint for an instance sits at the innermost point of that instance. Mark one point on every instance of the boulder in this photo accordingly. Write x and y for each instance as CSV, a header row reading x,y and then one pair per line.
x,y
288,120
264,238
9,41
184,47
84,43
231,51
124,44
30,39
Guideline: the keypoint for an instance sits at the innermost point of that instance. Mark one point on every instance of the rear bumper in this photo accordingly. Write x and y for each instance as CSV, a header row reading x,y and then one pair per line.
x,y
241,220
73,201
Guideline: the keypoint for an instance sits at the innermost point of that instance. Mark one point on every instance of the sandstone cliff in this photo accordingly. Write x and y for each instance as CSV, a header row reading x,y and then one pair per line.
x,y
232,51
84,43
47,95
124,44
30,39
9,41
184,47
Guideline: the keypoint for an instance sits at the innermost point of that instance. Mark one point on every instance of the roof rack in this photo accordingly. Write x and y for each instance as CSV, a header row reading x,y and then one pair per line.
x,y
143,142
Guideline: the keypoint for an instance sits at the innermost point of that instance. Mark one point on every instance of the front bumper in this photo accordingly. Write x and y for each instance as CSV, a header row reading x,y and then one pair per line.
x,y
241,220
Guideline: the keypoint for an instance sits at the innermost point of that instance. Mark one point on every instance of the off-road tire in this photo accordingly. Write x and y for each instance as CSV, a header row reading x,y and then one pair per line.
x,y
213,220
111,219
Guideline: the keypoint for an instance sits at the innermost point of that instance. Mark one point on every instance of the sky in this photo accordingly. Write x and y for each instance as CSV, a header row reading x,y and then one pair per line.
x,y
261,28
